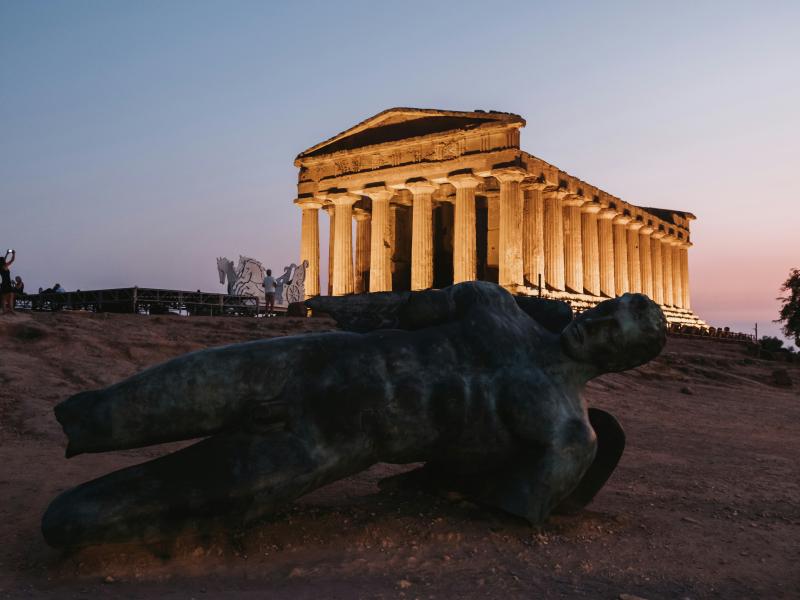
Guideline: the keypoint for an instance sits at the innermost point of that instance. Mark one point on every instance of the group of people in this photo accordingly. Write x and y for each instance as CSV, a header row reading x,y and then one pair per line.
x,y
9,289
12,289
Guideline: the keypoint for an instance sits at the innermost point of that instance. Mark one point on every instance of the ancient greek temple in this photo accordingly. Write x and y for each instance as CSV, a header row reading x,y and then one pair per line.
x,y
440,197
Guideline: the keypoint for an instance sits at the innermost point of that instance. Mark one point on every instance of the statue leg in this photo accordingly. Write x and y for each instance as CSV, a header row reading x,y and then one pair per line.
x,y
192,396
236,476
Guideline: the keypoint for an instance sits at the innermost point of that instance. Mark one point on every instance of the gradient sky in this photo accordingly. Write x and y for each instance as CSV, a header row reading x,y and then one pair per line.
x,y
140,140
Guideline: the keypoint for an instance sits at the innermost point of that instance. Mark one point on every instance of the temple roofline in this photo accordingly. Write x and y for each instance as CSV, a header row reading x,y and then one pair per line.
x,y
666,213
375,120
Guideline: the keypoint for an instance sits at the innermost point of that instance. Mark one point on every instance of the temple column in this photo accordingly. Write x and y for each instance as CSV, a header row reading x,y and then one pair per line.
x,y
666,255
309,242
363,226
421,234
658,267
605,244
591,248
395,212
380,266
343,243
677,278
533,236
554,240
464,249
510,269
634,270
492,230
684,253
330,209
645,260
621,283
573,244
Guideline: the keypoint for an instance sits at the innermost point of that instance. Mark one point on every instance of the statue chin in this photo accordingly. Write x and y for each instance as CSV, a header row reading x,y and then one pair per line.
x,y
572,343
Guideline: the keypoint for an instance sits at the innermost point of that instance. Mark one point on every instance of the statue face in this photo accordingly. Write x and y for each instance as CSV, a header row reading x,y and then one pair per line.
x,y
617,334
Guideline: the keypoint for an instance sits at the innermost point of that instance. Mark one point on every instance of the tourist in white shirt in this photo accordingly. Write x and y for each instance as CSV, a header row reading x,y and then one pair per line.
x,y
269,293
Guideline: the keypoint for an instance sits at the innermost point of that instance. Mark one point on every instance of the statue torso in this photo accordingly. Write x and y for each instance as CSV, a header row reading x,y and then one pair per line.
x,y
474,387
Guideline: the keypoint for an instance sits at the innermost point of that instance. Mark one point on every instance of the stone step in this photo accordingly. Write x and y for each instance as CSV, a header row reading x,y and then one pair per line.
x,y
581,302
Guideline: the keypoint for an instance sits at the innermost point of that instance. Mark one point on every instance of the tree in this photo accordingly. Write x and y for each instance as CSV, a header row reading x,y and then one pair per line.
x,y
790,311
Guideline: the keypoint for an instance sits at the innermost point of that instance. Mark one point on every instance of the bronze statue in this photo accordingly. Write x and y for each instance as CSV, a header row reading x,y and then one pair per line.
x,y
484,389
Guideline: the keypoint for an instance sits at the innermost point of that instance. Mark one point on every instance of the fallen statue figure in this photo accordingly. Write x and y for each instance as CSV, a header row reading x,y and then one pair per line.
x,y
483,388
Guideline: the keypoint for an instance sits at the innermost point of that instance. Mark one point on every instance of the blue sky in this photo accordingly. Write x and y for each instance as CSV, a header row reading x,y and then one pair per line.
x,y
140,140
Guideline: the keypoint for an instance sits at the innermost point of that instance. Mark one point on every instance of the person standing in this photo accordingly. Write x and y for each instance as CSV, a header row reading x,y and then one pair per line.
x,y
269,293
7,290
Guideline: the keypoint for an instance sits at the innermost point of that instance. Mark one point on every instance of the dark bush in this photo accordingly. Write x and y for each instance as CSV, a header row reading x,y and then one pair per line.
x,y
771,344
28,332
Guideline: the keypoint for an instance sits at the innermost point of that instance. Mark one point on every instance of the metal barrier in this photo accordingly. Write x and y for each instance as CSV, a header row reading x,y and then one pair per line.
x,y
136,300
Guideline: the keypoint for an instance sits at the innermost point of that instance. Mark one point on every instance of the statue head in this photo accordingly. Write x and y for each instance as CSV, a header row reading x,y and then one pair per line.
x,y
617,334
224,266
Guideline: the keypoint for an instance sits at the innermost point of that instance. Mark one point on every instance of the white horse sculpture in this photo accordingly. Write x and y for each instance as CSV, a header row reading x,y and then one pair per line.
x,y
296,292
247,279
283,281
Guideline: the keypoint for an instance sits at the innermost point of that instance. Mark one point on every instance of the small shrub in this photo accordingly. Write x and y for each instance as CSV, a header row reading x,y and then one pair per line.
x,y
771,344
27,332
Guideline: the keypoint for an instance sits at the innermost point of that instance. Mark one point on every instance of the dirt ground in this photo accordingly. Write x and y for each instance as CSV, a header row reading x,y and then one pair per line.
x,y
704,504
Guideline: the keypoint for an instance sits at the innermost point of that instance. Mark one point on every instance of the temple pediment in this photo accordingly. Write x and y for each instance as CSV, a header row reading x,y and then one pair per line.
x,y
396,124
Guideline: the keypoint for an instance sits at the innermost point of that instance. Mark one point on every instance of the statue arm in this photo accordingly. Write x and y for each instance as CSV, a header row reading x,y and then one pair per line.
x,y
362,312
410,310
553,315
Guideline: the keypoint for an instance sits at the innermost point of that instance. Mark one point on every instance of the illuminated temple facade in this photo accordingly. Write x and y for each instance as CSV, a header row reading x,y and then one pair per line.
x,y
440,197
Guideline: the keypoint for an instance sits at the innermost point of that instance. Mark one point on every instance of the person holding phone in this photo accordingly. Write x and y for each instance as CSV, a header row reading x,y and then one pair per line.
x,y
7,290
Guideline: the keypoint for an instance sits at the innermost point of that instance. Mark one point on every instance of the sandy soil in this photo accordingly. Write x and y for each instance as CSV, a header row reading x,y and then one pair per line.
x,y
704,503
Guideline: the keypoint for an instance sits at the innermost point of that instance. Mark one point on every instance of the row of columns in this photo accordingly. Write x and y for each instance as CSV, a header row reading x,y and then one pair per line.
x,y
576,245
598,251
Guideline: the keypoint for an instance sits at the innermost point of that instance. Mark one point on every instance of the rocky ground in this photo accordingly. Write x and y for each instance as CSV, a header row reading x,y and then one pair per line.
x,y
704,503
